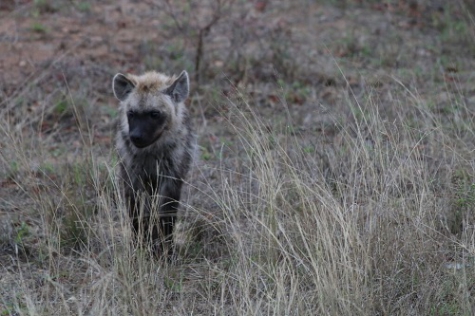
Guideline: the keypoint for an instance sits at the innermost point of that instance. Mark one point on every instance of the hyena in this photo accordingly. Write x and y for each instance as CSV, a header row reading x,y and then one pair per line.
x,y
156,146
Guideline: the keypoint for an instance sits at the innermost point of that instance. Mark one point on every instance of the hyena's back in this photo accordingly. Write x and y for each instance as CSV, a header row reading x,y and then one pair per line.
x,y
156,146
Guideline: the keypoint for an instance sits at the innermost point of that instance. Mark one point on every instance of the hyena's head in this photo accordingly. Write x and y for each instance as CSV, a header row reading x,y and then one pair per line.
x,y
150,104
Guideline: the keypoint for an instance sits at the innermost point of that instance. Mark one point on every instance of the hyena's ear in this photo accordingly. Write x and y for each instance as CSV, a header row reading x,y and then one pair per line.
x,y
179,89
122,86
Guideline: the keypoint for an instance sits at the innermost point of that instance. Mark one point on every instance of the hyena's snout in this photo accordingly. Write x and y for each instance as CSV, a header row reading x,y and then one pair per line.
x,y
138,139
144,131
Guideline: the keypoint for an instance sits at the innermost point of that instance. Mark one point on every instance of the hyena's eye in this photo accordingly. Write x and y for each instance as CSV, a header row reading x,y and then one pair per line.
x,y
130,113
155,114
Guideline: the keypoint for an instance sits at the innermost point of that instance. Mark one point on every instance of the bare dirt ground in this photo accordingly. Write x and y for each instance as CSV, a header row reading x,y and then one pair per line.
x,y
370,104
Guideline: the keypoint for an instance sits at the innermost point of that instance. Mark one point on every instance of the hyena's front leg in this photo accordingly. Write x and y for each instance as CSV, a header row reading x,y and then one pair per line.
x,y
134,213
168,212
144,230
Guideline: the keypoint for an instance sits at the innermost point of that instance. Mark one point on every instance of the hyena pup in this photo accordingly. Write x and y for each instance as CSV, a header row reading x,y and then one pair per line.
x,y
156,146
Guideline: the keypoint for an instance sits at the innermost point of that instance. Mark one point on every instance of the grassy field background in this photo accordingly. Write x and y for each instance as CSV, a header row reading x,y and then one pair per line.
x,y
335,173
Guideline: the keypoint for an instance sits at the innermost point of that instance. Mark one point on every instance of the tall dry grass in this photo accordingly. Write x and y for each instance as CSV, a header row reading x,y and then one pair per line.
x,y
376,221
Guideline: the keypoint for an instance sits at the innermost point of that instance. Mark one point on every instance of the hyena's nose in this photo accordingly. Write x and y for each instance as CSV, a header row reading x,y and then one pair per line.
x,y
135,138
138,140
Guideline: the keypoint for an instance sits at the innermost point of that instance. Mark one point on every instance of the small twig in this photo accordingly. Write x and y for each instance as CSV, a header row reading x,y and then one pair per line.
x,y
170,11
204,31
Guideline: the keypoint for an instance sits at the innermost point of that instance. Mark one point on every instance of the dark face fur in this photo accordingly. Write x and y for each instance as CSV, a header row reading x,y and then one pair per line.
x,y
145,127
150,103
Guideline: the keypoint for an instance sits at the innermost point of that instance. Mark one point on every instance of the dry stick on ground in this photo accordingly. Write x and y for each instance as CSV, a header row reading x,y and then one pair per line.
x,y
170,11
199,48
202,31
